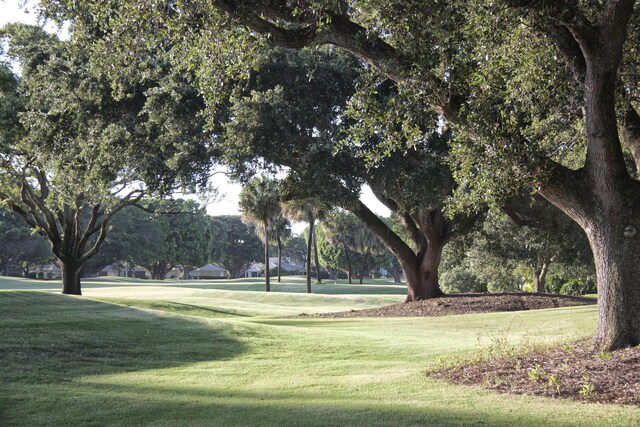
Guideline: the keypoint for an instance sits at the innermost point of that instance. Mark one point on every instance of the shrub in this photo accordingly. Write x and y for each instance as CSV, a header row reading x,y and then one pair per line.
x,y
461,280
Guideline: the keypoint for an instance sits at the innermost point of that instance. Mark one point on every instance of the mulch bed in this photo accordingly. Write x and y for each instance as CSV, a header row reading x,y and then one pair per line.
x,y
572,371
464,304
575,371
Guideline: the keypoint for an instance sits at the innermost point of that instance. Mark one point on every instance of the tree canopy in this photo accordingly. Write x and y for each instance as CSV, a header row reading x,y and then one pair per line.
x,y
234,245
75,153
535,93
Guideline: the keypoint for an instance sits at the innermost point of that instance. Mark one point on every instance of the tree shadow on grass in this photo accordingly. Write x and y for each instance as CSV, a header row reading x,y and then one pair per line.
x,y
50,338
116,404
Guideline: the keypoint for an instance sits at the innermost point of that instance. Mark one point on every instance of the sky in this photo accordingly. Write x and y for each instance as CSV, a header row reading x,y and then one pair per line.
x,y
227,201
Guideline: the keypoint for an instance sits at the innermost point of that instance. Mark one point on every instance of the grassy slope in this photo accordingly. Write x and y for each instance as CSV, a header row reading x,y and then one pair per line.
x,y
83,361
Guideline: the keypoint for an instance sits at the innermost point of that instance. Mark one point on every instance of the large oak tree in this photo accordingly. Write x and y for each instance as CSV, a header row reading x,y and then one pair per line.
x,y
430,49
74,153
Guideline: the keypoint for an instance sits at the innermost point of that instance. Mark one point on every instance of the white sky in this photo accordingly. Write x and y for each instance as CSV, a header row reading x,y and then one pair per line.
x,y
227,203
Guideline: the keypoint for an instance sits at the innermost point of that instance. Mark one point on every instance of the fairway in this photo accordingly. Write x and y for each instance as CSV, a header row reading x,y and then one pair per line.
x,y
221,353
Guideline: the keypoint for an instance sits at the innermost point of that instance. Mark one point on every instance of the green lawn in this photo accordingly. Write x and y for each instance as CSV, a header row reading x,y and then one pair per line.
x,y
219,353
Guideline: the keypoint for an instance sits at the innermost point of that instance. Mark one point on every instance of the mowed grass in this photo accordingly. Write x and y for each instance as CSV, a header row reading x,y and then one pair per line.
x,y
184,353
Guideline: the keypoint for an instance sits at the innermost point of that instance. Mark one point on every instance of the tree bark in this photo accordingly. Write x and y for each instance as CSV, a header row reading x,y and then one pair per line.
x,y
364,265
616,249
421,273
421,268
346,253
540,276
309,243
602,198
70,277
315,256
267,272
279,259
158,270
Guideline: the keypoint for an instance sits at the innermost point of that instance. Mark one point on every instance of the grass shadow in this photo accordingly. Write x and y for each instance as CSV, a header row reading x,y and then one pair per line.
x,y
48,337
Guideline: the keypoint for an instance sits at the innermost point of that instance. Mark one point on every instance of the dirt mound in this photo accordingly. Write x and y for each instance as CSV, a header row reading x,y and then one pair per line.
x,y
465,303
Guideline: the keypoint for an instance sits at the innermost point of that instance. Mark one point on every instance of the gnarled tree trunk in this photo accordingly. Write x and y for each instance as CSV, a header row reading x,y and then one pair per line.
x,y
70,276
431,232
421,273
601,197
540,276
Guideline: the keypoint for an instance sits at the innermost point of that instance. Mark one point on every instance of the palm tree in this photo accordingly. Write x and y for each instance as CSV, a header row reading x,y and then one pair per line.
x,y
260,205
282,231
307,210
279,233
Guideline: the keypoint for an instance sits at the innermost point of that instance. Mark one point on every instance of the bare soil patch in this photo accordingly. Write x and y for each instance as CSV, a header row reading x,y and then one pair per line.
x,y
464,304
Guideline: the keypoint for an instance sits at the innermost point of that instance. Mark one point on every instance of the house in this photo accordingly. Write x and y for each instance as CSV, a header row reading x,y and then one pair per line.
x,y
287,266
123,270
208,271
254,270
48,271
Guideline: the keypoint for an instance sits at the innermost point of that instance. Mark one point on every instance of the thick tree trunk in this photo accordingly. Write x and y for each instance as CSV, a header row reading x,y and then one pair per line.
x,y
607,210
605,202
421,273
616,250
267,272
70,277
421,269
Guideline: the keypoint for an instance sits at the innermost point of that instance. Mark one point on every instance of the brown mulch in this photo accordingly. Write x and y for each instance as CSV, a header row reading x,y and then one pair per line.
x,y
464,304
575,371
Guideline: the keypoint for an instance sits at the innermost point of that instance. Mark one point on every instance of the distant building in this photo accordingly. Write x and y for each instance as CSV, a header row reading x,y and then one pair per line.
x,y
208,271
287,266
47,271
254,270
123,270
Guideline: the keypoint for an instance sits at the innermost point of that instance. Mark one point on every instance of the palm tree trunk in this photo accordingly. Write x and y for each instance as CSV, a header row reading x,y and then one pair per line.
x,y
279,259
309,242
267,273
346,253
315,252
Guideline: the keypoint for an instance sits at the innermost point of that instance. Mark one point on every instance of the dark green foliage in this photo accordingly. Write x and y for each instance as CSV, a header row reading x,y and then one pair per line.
x,y
234,245
74,152
20,248
180,237
502,256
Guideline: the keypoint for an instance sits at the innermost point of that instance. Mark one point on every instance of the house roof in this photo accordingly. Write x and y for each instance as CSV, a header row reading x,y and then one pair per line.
x,y
210,268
